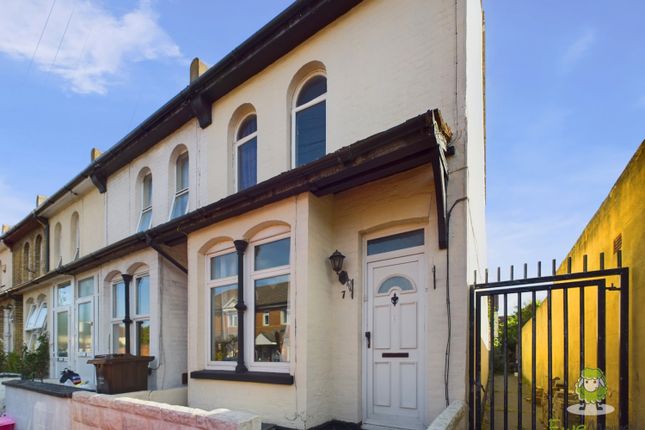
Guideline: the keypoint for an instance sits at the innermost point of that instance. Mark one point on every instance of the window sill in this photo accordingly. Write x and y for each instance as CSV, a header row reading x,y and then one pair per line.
x,y
261,377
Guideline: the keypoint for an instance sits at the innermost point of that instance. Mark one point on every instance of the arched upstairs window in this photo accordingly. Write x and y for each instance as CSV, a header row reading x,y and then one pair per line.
x,y
38,249
180,202
145,218
76,236
246,152
309,121
58,258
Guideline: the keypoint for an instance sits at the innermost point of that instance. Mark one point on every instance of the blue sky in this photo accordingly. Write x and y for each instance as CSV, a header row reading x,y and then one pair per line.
x,y
565,98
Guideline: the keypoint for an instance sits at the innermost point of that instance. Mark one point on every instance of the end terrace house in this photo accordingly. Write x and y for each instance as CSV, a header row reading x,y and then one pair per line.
x,y
293,232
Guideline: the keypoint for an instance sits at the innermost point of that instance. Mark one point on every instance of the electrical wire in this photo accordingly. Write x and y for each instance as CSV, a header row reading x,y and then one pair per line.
x,y
446,365
62,38
41,36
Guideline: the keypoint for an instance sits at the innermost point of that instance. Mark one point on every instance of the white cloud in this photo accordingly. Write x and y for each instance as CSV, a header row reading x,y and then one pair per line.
x,y
13,207
577,49
97,45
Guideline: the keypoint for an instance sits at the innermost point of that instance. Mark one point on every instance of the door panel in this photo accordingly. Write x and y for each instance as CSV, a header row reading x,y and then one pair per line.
x,y
395,379
409,325
382,385
408,385
382,327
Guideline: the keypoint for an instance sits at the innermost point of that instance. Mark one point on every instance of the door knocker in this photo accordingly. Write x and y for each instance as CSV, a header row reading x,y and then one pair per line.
x,y
394,299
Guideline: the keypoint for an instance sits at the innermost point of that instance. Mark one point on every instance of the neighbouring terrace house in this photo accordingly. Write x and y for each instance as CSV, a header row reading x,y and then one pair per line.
x,y
10,305
352,130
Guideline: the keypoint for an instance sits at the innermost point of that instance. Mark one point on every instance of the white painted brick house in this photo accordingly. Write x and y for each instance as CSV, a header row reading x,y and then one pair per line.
x,y
353,126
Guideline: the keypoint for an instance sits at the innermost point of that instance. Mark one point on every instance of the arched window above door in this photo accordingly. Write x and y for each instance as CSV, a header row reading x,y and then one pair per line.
x,y
404,284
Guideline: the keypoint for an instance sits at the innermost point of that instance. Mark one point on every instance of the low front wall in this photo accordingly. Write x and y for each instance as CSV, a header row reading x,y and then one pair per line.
x,y
34,410
103,412
42,406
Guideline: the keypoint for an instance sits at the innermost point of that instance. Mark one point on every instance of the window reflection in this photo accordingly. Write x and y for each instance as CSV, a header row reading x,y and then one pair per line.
x,y
271,328
62,333
224,323
143,337
85,327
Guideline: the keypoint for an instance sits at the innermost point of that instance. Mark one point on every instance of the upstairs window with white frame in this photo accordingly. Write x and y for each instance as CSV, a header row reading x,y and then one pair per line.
x,y
145,219
58,257
76,236
246,152
309,121
180,202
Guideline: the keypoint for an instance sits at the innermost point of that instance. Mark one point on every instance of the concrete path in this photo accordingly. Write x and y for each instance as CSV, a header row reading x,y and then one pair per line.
x,y
512,409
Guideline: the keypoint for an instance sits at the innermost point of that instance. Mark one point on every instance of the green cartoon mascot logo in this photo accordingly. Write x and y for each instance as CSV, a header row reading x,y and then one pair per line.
x,y
591,387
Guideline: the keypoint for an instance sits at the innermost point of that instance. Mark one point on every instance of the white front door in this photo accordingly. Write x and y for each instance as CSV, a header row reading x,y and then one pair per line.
x,y
395,365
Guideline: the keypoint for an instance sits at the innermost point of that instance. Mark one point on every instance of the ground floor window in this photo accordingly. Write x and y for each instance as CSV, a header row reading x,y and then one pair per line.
x,y
266,281
223,298
140,315
36,321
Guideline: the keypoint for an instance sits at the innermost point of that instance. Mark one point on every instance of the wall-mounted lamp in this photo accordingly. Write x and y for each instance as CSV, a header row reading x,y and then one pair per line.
x,y
337,260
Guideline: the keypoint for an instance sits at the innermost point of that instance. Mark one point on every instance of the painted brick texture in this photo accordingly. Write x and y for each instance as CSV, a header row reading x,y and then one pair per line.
x,y
98,411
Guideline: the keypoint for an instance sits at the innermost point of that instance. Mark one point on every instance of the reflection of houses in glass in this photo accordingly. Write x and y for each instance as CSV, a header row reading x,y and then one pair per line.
x,y
224,342
271,319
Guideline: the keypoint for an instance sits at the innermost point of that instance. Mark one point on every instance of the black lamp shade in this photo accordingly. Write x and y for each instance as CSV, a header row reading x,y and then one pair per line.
x,y
337,261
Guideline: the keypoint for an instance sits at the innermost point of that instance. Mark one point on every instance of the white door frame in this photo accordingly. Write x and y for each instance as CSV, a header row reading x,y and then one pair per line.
x,y
423,308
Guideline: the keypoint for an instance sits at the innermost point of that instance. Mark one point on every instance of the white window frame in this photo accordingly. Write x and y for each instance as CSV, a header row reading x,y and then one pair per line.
x,y
36,330
250,276
210,284
79,301
148,208
58,247
58,308
76,250
295,109
139,317
237,143
179,193
114,320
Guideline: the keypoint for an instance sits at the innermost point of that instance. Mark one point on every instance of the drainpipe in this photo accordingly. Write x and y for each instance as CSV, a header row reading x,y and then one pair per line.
x,y
126,319
240,247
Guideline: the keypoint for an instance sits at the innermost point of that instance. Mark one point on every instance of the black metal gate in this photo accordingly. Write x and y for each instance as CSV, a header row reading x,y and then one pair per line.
x,y
524,403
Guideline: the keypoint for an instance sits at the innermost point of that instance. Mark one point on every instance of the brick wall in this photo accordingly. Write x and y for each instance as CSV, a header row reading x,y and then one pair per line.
x,y
18,323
